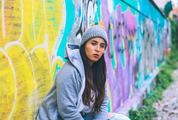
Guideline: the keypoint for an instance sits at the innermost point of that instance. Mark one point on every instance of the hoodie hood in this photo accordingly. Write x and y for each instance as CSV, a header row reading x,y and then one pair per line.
x,y
73,55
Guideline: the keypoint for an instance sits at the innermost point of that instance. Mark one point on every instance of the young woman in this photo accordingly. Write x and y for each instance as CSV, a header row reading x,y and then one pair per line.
x,y
79,92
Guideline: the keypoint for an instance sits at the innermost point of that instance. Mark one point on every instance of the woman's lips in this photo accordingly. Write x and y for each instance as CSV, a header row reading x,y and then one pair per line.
x,y
96,55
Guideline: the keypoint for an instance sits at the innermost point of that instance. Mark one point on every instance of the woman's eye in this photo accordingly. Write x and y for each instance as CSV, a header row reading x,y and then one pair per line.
x,y
94,43
102,46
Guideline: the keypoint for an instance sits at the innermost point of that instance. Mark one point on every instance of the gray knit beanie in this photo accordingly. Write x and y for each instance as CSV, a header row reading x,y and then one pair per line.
x,y
92,32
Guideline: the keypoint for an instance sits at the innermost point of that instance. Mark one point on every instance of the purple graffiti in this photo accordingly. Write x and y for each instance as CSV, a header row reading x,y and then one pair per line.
x,y
121,28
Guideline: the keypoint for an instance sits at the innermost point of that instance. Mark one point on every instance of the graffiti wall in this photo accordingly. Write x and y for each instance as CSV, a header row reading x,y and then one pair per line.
x,y
33,35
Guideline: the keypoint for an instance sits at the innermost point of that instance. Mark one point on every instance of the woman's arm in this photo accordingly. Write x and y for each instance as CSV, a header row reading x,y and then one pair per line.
x,y
67,93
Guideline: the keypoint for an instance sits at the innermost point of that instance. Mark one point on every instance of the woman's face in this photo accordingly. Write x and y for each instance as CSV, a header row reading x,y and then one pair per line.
x,y
94,49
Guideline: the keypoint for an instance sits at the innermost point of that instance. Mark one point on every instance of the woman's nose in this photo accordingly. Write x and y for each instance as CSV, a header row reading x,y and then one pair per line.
x,y
98,48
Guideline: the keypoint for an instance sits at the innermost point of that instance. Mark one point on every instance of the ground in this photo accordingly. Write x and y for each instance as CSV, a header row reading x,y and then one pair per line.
x,y
167,108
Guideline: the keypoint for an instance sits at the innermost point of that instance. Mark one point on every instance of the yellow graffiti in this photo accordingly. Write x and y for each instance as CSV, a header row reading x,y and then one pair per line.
x,y
24,81
28,33
7,85
42,71
11,21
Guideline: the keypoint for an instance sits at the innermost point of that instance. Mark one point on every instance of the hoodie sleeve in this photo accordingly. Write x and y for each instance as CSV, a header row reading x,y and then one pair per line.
x,y
67,93
104,107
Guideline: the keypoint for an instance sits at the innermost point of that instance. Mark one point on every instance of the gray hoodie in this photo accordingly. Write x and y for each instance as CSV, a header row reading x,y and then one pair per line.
x,y
64,101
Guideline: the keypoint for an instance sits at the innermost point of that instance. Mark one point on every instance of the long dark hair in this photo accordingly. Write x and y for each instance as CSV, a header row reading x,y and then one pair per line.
x,y
95,81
